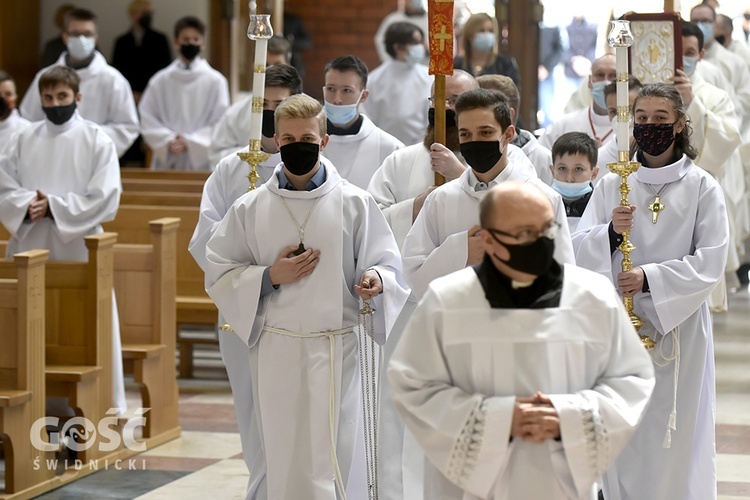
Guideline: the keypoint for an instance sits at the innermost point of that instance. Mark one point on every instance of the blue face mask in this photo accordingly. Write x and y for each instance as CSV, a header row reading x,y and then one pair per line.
x,y
688,64
597,92
341,114
708,31
484,41
572,190
417,53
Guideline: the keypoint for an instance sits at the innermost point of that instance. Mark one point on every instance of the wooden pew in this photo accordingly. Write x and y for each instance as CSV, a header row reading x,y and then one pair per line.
x,y
22,394
162,185
147,173
78,344
193,306
145,278
160,199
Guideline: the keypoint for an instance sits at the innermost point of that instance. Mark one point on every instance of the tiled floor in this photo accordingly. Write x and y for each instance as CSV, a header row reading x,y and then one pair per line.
x,y
206,463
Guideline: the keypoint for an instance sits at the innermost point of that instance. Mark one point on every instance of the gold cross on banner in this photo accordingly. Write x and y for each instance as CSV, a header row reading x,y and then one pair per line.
x,y
442,36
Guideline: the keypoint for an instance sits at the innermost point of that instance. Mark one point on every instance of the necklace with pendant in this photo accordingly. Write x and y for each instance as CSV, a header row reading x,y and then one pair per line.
x,y
657,206
300,229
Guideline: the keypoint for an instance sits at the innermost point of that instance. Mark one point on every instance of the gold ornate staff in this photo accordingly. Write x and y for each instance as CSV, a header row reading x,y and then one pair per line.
x,y
260,31
621,38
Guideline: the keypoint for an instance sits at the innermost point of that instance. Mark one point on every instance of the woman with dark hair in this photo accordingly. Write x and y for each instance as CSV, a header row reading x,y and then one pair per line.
x,y
480,52
678,223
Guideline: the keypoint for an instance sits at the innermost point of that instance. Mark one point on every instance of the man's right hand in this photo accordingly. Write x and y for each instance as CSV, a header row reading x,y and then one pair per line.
x,y
622,218
290,268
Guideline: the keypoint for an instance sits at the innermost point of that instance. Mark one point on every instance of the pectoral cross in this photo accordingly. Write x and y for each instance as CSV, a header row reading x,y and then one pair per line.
x,y
300,249
655,208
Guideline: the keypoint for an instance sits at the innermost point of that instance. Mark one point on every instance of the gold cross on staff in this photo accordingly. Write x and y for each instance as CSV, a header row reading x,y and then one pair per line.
x,y
442,36
655,208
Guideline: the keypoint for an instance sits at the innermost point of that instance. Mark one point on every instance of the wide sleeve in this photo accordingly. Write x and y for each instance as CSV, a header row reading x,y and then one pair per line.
x,y
121,124
715,133
425,256
233,279
591,238
199,140
597,423
14,198
75,214
465,436
375,248
678,287
564,253
212,209
155,132
31,105
384,187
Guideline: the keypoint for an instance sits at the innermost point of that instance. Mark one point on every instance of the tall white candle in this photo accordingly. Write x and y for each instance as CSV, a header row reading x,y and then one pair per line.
x,y
623,101
259,84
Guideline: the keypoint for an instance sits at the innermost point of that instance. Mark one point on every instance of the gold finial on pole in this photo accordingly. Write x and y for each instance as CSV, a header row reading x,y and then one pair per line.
x,y
621,38
259,30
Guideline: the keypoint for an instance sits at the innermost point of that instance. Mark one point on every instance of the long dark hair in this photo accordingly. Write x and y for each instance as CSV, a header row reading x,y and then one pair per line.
x,y
670,93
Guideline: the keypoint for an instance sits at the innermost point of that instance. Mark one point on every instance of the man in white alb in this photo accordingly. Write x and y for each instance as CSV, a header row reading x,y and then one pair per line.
x,y
11,121
492,424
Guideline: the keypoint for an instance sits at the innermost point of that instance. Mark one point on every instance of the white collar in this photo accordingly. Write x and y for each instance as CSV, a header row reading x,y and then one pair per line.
x,y
666,174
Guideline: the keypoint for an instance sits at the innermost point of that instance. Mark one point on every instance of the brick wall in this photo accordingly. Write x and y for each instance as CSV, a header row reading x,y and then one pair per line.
x,y
338,27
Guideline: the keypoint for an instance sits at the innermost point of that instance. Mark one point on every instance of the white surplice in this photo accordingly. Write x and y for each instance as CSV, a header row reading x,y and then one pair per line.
x,y
106,99
185,102
583,120
406,174
398,99
683,256
358,156
460,365
75,165
232,132
737,72
291,376
11,126
437,243
539,156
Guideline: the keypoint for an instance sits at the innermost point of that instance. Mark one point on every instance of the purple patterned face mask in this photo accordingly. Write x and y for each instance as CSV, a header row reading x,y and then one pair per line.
x,y
654,138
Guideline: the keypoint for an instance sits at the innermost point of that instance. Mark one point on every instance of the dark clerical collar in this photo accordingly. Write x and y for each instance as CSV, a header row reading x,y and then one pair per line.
x,y
575,208
544,292
520,140
352,130
81,64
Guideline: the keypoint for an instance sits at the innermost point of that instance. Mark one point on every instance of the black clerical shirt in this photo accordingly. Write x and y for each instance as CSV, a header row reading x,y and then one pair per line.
x,y
544,292
354,129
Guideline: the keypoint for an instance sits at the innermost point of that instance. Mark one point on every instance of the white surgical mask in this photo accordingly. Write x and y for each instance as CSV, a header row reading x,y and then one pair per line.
x,y
688,64
81,47
572,190
597,92
708,31
484,41
417,53
341,114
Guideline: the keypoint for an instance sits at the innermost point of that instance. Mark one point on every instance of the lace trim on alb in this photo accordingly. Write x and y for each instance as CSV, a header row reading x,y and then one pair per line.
x,y
595,436
466,449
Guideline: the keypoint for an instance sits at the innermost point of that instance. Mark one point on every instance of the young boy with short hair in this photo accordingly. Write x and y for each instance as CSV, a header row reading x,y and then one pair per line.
x,y
574,156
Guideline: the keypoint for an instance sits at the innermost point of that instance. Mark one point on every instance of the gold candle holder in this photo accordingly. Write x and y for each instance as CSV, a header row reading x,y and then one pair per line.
x,y
254,157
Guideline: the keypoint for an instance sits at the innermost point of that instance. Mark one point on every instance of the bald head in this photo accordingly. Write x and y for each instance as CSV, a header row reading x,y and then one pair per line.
x,y
513,206
604,68
458,83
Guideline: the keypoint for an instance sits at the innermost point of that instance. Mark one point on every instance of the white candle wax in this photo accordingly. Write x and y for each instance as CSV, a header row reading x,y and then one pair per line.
x,y
622,130
259,83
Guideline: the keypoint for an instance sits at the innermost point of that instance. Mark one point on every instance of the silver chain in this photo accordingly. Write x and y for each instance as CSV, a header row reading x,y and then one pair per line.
x,y
368,378
300,229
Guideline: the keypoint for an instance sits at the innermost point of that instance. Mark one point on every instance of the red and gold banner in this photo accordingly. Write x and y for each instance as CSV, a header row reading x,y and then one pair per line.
x,y
440,14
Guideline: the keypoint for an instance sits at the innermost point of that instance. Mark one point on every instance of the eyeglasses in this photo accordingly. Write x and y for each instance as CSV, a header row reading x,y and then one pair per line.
x,y
528,236
451,102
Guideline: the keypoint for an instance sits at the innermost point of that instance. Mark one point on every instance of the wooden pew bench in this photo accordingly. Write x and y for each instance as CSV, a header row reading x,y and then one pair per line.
x,y
145,277
160,185
160,199
22,394
169,175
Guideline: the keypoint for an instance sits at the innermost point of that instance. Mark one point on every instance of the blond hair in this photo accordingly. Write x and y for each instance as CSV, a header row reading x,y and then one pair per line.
x,y
502,84
301,106
471,28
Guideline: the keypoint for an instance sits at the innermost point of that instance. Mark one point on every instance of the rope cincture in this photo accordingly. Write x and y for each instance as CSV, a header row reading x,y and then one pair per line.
x,y
673,356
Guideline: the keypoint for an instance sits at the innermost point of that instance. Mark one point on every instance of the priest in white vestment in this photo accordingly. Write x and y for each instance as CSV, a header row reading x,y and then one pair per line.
x,y
286,267
519,377
356,146
539,156
399,88
232,132
592,120
11,121
108,100
679,228
182,103
414,12
59,181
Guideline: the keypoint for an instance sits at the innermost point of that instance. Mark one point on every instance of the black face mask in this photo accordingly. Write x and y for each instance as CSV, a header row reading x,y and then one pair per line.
x,y
4,109
481,155
534,259
720,38
59,114
746,16
145,21
268,128
300,157
189,51
450,117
